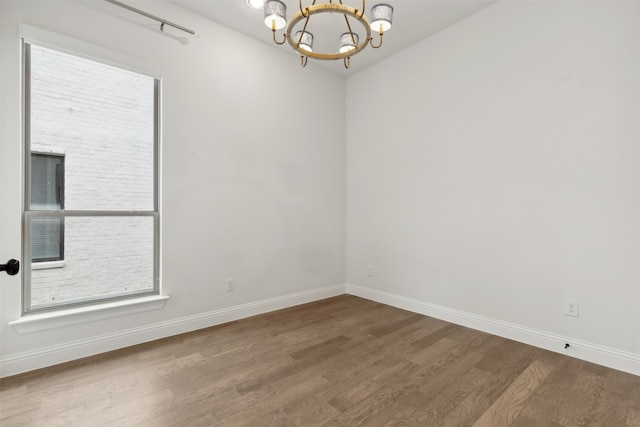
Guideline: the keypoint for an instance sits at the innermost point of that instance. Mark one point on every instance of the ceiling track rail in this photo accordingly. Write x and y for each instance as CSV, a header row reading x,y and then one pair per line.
x,y
163,22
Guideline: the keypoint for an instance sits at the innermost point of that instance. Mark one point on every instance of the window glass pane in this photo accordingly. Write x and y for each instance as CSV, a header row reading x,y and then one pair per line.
x,y
47,193
47,239
46,182
92,140
105,257
102,118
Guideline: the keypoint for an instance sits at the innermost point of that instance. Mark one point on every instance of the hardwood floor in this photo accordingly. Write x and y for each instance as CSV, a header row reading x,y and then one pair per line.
x,y
338,362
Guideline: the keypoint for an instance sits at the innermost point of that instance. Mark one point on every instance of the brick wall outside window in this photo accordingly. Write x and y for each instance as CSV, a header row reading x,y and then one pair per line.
x,y
102,119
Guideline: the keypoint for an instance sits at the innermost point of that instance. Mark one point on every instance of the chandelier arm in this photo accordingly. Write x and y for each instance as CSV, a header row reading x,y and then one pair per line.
x,y
274,37
304,29
361,13
353,38
306,9
302,10
371,40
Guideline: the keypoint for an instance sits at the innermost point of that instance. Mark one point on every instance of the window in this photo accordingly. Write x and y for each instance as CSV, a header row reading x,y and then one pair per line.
x,y
90,209
47,193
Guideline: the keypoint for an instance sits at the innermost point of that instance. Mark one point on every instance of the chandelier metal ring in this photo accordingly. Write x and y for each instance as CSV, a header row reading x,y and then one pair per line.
x,y
328,8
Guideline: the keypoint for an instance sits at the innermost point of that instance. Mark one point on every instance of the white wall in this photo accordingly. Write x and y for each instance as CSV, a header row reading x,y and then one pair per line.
x,y
248,190
501,170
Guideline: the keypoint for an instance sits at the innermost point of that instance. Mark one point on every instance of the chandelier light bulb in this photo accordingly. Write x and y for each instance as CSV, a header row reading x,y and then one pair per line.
x,y
275,14
306,42
255,4
381,17
347,42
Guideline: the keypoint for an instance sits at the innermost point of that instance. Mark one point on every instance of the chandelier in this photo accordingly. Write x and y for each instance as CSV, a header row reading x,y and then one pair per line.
x,y
348,43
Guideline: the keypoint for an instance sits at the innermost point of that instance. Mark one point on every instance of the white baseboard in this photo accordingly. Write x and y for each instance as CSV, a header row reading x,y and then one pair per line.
x,y
53,355
23,362
605,356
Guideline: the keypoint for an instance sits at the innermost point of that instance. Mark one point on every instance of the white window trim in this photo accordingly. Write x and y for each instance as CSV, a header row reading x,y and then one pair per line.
x,y
73,316
47,264
51,151
76,47
38,321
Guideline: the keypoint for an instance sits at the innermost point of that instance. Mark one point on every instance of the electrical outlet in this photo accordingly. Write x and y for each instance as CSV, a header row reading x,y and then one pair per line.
x,y
571,307
370,270
230,284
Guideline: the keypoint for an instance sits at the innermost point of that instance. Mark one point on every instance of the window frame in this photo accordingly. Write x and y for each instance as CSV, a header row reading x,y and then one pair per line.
x,y
32,35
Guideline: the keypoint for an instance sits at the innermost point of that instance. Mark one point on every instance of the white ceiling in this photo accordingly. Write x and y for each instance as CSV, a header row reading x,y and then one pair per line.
x,y
413,20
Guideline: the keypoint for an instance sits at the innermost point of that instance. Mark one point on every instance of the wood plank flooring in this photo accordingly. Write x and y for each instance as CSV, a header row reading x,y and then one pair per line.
x,y
343,361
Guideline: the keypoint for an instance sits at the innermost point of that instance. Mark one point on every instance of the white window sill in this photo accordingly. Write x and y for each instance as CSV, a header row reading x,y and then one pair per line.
x,y
73,316
47,264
